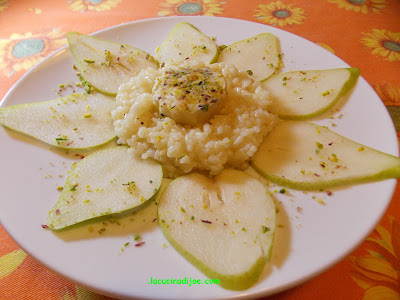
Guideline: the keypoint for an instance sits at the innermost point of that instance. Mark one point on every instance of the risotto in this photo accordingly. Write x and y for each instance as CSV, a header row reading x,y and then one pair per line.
x,y
193,117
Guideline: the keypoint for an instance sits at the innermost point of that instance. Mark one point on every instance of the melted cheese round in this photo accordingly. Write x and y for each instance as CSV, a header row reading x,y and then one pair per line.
x,y
189,96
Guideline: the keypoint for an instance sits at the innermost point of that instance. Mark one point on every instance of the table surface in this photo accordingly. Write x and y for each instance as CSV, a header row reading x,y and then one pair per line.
x,y
364,33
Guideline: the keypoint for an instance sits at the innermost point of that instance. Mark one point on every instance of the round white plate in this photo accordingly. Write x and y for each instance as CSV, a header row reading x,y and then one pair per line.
x,y
310,237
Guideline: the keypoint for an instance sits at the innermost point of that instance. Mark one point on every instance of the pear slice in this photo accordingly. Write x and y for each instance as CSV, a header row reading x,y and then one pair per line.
x,y
79,121
105,182
224,226
259,55
105,65
186,42
300,95
305,156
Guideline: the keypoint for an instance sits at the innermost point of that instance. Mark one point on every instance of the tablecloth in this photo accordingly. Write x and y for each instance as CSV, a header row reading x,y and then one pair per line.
x,y
364,33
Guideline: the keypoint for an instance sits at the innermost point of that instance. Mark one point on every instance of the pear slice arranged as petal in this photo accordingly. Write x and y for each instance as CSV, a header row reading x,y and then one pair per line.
x,y
79,121
186,42
259,55
105,182
300,95
105,65
224,226
305,156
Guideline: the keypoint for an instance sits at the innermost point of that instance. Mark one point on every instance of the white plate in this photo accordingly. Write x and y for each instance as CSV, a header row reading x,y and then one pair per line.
x,y
310,240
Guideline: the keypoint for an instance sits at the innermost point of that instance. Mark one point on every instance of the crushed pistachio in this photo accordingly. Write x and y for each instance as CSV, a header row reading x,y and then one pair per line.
x,y
326,93
334,158
107,54
264,229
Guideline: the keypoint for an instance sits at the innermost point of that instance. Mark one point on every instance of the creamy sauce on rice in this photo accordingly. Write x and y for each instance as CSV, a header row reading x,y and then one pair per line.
x,y
225,134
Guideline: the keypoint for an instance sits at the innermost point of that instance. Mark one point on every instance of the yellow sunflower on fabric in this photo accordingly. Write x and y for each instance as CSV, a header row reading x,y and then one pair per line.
x,y
327,47
280,14
383,43
190,7
3,4
11,262
93,5
378,272
364,6
389,94
22,51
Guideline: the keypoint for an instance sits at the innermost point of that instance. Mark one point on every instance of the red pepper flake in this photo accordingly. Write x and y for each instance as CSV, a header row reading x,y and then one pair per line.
x,y
44,226
299,209
329,193
186,58
57,211
139,244
154,220
315,174
330,144
206,221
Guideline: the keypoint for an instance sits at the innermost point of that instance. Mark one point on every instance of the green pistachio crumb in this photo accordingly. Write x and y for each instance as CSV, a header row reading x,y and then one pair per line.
x,y
326,93
319,145
264,229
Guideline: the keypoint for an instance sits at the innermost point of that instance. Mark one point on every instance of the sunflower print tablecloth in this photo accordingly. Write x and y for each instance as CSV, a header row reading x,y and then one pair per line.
x,y
364,33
